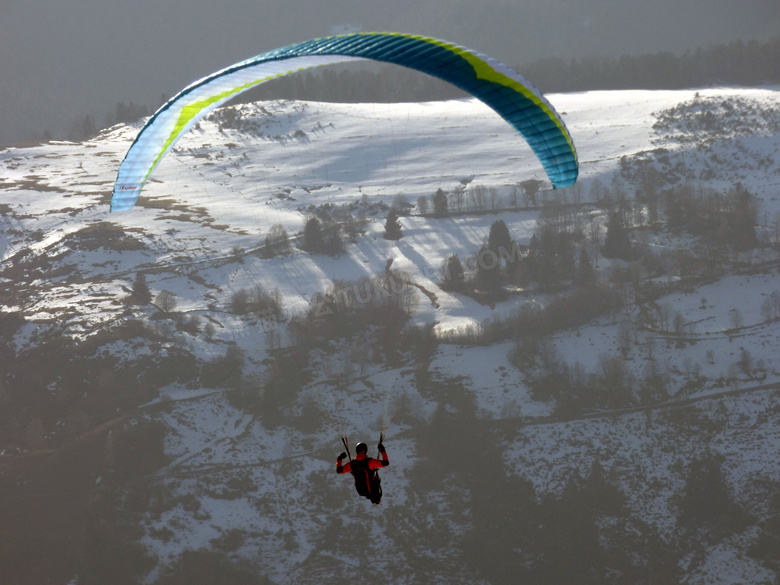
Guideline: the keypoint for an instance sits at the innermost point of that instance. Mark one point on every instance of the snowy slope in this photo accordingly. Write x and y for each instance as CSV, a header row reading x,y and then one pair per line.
x,y
214,198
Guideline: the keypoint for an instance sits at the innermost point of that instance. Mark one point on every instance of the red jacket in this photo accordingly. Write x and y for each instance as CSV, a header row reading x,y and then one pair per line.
x,y
372,463
363,469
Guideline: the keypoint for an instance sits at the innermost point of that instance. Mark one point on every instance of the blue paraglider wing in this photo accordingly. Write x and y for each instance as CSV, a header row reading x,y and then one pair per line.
x,y
508,93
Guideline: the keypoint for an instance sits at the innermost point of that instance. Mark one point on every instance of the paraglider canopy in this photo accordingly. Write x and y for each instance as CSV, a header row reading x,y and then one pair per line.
x,y
509,94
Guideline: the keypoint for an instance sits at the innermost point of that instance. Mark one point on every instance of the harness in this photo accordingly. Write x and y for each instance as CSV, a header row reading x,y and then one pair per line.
x,y
367,482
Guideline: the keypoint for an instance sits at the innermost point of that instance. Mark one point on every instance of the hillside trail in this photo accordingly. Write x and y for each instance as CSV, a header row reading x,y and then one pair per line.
x,y
670,404
501,425
510,424
11,466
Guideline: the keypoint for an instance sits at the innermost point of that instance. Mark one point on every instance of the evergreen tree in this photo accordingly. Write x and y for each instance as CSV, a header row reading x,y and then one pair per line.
x,y
333,240
239,302
489,276
83,127
127,113
393,229
313,239
453,275
499,238
439,200
617,244
706,498
141,293
742,219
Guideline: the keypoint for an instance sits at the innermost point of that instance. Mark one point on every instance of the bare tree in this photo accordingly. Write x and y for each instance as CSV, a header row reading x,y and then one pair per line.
x,y
422,204
664,314
770,308
576,193
166,300
478,195
776,229
530,191
625,334
735,316
277,239
458,196
514,197
678,323
400,204
745,362
595,231
494,198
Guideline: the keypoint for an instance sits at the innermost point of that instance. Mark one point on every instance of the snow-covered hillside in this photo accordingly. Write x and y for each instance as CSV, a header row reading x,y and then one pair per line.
x,y
261,488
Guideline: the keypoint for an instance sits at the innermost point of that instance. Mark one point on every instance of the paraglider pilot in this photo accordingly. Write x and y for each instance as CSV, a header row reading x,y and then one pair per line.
x,y
364,470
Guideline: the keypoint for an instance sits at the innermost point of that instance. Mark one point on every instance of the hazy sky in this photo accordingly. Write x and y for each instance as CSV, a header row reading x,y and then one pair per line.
x,y
60,59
